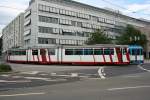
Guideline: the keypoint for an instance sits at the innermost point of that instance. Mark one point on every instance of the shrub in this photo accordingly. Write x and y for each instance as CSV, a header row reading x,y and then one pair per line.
x,y
5,68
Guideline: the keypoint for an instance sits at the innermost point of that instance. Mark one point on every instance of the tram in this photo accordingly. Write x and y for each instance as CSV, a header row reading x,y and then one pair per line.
x,y
136,54
80,55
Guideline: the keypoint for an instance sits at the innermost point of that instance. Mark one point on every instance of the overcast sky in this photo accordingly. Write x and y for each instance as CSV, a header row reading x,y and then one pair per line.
x,y
9,9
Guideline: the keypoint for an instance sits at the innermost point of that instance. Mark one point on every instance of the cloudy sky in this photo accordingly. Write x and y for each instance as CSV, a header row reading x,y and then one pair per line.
x,y
9,9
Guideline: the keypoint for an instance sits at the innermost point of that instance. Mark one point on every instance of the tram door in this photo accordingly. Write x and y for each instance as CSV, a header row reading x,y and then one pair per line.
x,y
43,55
119,54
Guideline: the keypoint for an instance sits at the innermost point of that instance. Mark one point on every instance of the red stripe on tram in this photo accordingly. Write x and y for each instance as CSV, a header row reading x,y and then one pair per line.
x,y
104,57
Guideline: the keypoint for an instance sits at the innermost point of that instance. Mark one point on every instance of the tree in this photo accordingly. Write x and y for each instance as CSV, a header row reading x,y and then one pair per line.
x,y
132,36
98,37
0,45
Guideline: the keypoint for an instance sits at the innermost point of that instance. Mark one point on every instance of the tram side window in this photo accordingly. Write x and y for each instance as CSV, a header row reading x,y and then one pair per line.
x,y
124,51
98,52
142,52
78,52
34,52
69,52
136,51
88,51
139,52
51,51
108,52
22,52
112,51
17,53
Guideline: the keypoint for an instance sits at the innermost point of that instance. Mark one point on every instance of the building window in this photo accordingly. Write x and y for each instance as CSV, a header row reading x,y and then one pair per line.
x,y
45,29
28,13
28,32
48,19
79,24
48,9
73,23
86,25
27,42
65,22
100,19
68,32
80,34
27,23
46,41
94,18
49,30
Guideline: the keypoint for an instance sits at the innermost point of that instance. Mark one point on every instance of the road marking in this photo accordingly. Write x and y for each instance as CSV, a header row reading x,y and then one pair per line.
x,y
43,74
131,76
31,72
101,73
21,81
5,75
139,66
126,88
17,77
37,78
44,79
61,75
74,75
25,94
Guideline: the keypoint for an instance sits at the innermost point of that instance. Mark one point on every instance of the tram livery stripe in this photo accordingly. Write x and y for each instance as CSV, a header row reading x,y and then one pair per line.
x,y
38,58
94,59
104,57
111,59
33,58
127,55
49,56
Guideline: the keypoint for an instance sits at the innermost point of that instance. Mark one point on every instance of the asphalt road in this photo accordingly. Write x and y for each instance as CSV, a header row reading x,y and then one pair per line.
x,y
54,82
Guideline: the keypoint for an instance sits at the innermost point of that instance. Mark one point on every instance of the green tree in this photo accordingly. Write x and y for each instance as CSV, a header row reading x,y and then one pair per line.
x,y
0,45
99,37
132,36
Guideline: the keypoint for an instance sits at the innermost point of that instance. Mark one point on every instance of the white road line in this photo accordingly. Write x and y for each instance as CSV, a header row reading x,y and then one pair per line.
x,y
25,94
43,74
19,81
139,66
44,79
38,78
17,77
31,72
5,75
101,73
62,75
126,88
131,76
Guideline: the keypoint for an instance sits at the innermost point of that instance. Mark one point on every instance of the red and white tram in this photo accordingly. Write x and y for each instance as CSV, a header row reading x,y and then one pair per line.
x,y
81,55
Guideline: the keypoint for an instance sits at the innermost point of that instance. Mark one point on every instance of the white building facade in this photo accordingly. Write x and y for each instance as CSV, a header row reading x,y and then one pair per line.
x,y
66,22
12,34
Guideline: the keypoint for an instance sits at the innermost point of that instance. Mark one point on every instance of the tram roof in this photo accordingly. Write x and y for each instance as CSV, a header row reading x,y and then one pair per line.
x,y
84,46
96,46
